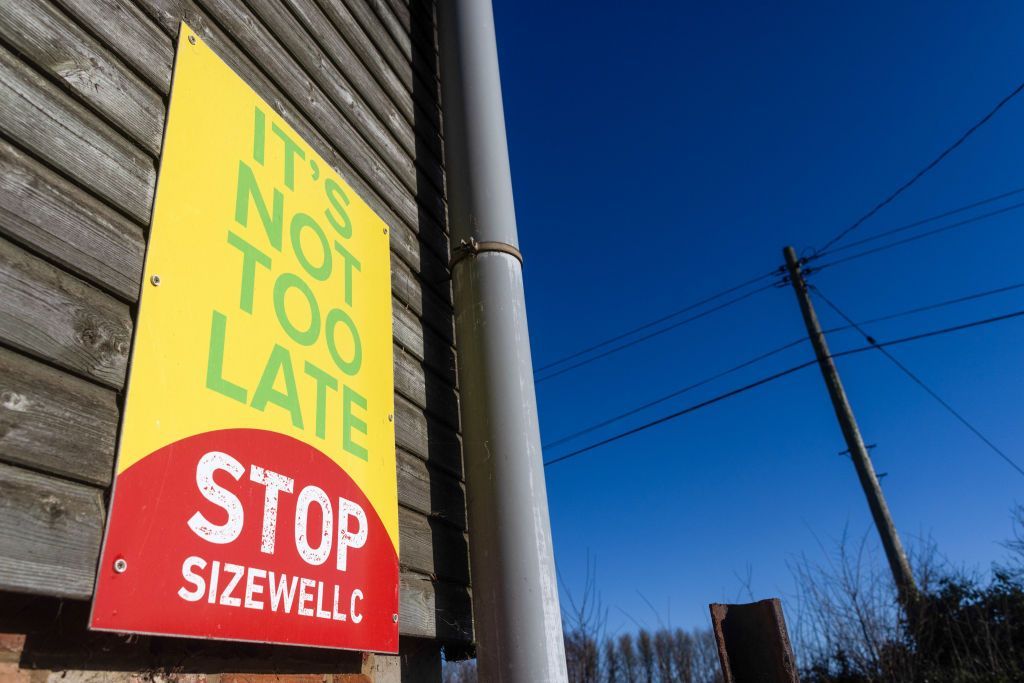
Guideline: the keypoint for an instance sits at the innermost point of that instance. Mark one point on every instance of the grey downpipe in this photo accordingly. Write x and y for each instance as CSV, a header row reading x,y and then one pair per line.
x,y
515,594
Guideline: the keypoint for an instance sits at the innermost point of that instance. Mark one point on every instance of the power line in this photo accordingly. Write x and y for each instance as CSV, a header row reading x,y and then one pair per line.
x,y
768,354
779,375
680,413
816,255
679,392
920,174
919,236
652,323
917,223
651,335
917,380
932,307
933,333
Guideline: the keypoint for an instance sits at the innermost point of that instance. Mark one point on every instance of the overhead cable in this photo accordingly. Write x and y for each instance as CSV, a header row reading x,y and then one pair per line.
x,y
767,354
919,236
658,332
658,321
776,376
920,174
910,226
917,380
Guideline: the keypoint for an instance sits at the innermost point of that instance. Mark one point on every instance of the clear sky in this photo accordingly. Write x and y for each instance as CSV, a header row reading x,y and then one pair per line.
x,y
664,151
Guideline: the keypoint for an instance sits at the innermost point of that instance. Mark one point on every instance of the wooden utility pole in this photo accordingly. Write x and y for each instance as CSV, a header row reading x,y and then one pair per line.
x,y
851,433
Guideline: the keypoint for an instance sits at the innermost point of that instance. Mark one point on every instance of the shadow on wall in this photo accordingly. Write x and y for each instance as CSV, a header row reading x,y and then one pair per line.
x,y
447,496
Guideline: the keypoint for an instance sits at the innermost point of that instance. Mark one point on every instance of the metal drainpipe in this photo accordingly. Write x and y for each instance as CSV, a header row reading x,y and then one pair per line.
x,y
515,594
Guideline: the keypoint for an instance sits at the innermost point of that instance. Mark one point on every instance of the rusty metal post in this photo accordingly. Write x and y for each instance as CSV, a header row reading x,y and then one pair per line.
x,y
753,643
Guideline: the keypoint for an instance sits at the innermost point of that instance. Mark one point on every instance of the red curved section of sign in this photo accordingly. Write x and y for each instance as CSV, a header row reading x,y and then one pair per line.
x,y
156,593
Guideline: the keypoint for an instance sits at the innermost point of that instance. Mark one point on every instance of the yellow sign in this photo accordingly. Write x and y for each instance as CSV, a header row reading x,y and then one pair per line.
x,y
264,335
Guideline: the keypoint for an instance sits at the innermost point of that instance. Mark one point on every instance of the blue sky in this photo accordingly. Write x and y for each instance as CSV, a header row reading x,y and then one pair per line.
x,y
663,151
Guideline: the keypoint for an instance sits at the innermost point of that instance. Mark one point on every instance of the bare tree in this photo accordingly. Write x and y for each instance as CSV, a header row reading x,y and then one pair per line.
x,y
612,672
706,667
1016,544
663,656
627,658
683,654
645,655
845,608
584,627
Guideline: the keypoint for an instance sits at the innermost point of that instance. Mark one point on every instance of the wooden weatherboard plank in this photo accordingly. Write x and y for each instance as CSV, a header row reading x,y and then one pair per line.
x,y
37,116
127,31
433,547
343,77
52,421
351,46
55,45
435,609
54,217
49,314
50,533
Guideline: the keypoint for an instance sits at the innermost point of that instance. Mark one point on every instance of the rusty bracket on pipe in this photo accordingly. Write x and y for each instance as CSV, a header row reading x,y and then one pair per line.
x,y
471,247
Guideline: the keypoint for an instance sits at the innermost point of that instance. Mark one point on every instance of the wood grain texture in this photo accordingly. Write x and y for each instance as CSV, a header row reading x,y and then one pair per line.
x,y
50,531
421,387
336,68
54,422
49,314
37,116
434,309
423,343
432,547
406,244
405,30
54,44
54,217
435,609
431,491
396,46
427,439
128,32
325,19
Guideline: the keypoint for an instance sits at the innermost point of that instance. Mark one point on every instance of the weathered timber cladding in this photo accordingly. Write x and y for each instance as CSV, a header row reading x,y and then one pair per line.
x,y
84,86
54,421
50,532
52,215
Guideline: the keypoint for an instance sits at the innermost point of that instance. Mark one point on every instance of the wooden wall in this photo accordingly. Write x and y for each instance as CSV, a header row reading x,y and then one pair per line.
x,y
84,87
